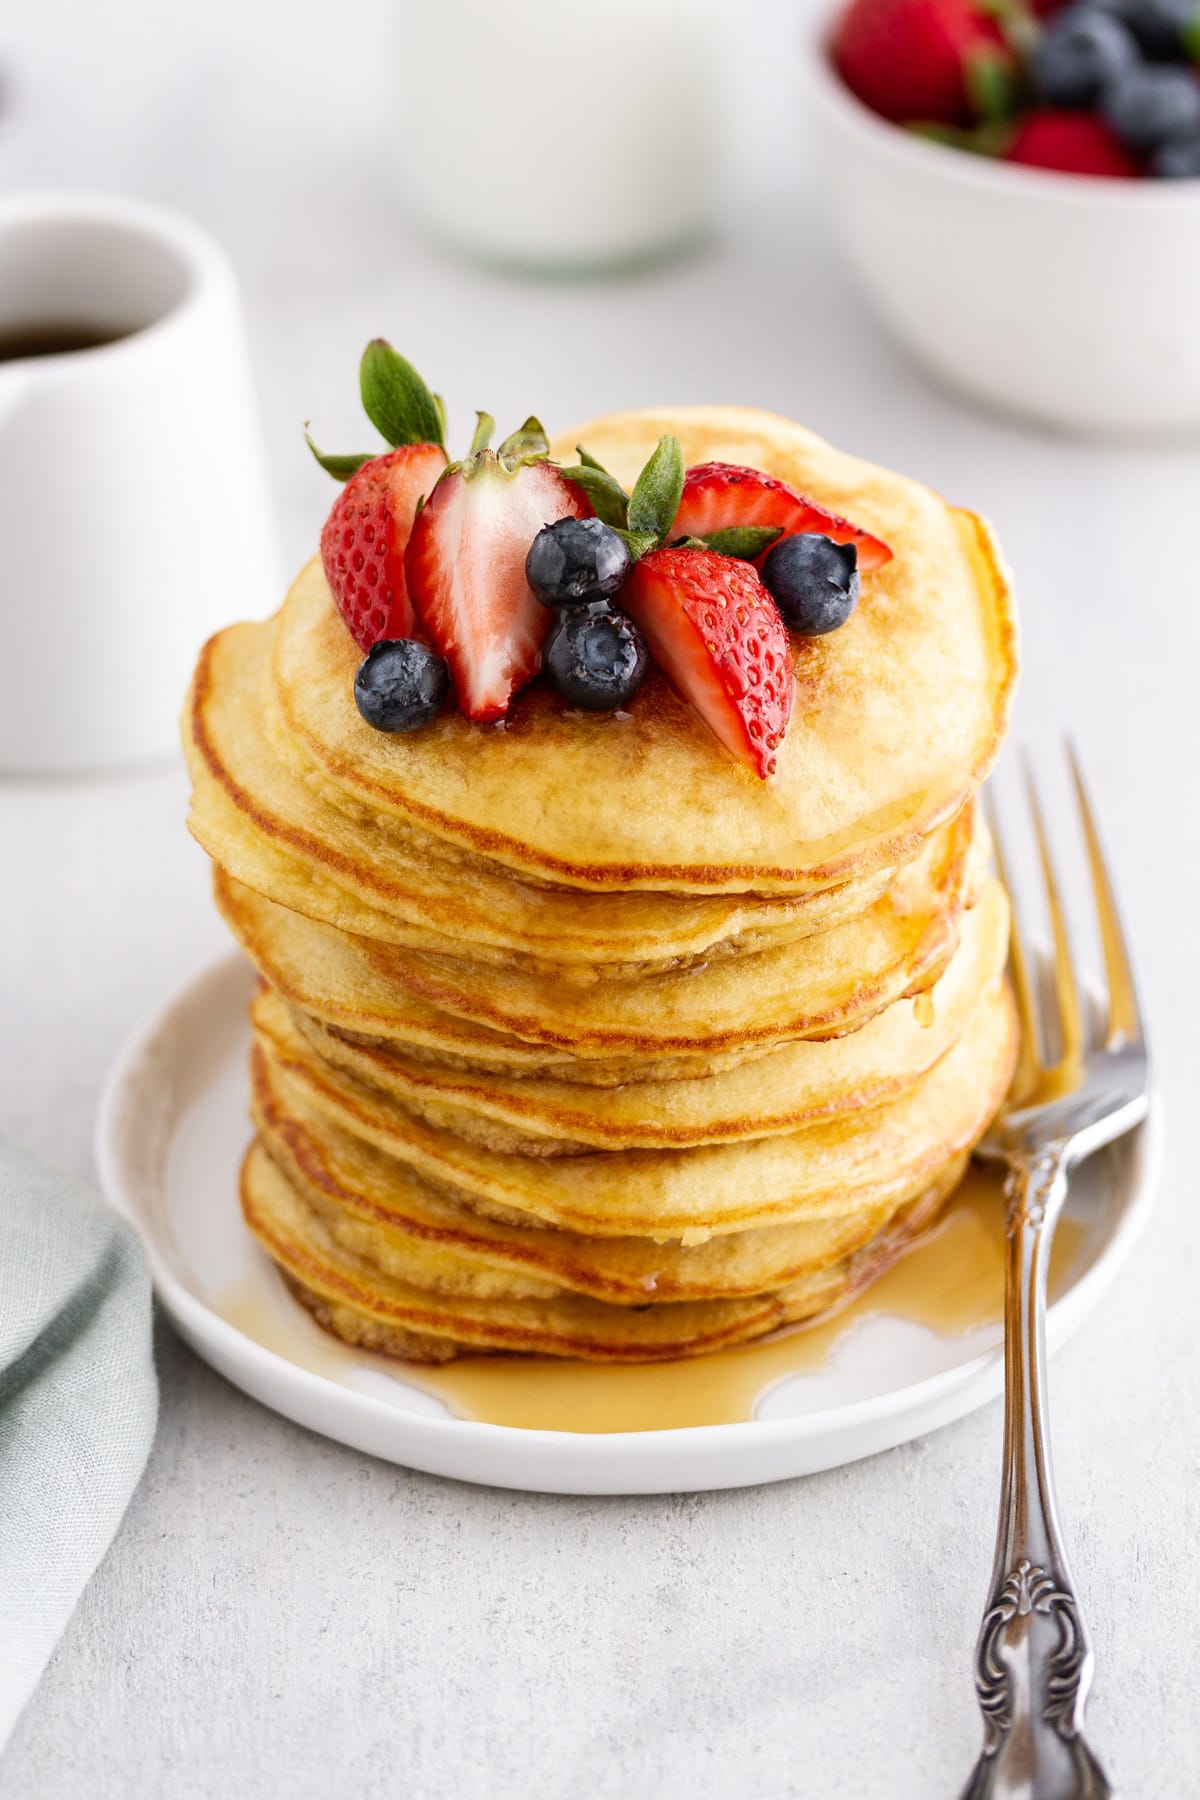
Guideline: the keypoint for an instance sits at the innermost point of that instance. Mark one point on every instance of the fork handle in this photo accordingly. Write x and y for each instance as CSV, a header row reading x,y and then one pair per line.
x,y
1033,1661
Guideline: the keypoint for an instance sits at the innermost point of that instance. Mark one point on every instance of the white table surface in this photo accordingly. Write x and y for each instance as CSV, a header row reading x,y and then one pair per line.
x,y
280,1616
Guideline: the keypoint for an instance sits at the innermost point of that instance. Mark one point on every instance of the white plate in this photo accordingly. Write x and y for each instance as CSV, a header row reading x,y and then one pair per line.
x,y
171,1134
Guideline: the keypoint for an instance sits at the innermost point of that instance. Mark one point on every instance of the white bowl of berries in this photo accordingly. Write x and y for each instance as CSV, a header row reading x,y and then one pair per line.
x,y
1020,197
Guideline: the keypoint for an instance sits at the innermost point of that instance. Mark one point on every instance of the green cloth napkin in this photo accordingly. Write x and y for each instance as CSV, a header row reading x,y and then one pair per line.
x,y
78,1402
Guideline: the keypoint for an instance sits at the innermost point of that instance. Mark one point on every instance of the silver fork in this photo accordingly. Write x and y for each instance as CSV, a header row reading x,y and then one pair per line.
x,y
1082,1080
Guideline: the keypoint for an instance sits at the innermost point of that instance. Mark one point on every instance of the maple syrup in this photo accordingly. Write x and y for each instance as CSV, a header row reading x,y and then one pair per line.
x,y
950,1280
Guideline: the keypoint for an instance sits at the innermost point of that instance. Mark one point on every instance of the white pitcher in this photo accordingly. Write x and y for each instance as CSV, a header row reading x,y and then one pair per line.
x,y
135,515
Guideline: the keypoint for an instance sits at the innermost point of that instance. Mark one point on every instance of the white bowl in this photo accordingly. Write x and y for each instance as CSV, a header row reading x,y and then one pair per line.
x,y
1072,300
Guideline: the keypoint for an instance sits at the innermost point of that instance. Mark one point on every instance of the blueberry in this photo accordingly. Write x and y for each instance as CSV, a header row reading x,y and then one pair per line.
x,y
1146,107
575,562
596,658
1161,28
1078,55
400,686
813,581
1178,159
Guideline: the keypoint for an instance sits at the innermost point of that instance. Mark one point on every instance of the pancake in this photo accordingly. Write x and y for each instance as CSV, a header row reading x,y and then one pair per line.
x,y
381,1210
359,1303
898,715
852,1160
275,943
273,822
786,1088
821,986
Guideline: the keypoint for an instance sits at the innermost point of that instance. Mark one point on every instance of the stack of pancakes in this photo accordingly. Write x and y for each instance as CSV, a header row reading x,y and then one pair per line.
x,y
574,1037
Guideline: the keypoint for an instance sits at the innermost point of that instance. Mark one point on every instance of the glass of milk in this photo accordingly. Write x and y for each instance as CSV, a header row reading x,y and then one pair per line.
x,y
562,135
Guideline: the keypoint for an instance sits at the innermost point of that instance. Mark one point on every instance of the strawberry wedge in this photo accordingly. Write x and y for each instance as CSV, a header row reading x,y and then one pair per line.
x,y
717,496
715,631
466,574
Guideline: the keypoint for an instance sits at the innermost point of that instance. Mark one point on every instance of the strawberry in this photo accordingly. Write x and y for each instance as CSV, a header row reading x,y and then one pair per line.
x,y
938,61
465,566
366,533
715,631
720,496
1074,143
365,536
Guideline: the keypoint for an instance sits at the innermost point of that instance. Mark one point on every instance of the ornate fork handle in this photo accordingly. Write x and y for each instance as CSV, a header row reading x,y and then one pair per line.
x,y
1033,1661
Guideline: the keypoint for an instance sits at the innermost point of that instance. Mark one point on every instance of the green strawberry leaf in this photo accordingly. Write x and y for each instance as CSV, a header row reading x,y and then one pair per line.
x,y
528,444
440,406
609,500
639,542
1190,36
980,140
991,85
744,541
589,461
1019,26
658,491
396,400
340,467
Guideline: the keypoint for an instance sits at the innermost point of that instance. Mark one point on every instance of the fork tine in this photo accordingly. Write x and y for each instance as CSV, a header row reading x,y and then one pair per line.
x,y
1124,1012
1029,1068
1066,990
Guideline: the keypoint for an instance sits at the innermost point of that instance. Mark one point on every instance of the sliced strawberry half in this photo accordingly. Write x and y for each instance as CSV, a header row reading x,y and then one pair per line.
x,y
719,495
365,537
715,631
466,573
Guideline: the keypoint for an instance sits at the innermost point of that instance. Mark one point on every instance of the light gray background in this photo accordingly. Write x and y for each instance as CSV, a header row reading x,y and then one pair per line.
x,y
281,1616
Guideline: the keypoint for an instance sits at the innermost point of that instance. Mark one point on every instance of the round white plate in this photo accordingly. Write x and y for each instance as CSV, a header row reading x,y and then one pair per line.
x,y
172,1131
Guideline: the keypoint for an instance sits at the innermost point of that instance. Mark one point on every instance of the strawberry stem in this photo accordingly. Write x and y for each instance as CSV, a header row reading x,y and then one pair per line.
x,y
528,443
484,427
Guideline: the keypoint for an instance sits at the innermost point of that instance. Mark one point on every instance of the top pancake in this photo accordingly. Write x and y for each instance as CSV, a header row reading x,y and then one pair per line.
x,y
272,821
897,717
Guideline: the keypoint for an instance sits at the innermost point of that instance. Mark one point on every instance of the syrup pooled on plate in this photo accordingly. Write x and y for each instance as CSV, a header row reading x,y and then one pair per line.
x,y
950,1280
